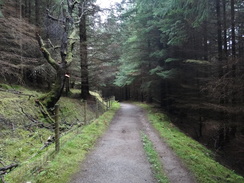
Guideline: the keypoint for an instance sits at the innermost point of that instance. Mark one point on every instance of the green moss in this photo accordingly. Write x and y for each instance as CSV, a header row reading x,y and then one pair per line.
x,y
199,159
22,145
72,110
5,86
14,103
21,138
154,160
74,147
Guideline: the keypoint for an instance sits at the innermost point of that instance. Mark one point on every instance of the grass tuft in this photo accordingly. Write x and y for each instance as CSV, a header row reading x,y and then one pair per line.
x,y
154,160
198,158
49,167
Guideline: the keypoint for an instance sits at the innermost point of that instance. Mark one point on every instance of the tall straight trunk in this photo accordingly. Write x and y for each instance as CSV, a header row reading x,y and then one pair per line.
x,y
149,91
219,33
225,55
233,34
225,29
26,9
205,40
84,61
37,12
29,10
233,38
22,8
219,30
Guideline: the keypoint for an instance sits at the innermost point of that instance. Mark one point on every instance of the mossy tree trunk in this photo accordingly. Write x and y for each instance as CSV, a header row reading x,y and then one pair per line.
x,y
52,97
67,45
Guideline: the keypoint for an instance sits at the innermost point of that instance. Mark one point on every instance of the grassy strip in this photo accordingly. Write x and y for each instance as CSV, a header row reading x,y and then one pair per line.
x,y
199,159
51,168
154,160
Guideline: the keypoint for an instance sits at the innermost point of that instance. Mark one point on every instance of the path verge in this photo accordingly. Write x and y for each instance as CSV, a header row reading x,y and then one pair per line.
x,y
154,160
197,158
173,166
119,156
66,162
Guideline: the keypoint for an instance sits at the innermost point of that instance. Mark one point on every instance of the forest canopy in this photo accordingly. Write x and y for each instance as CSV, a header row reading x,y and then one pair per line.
x,y
185,56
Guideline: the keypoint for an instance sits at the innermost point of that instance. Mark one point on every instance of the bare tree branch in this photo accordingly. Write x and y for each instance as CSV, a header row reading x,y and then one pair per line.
x,y
54,18
46,53
54,47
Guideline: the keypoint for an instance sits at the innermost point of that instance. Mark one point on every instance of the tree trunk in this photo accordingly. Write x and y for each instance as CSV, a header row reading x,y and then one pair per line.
x,y
205,40
233,38
225,29
29,10
67,86
84,61
67,45
233,34
219,33
25,8
54,95
219,30
50,99
37,12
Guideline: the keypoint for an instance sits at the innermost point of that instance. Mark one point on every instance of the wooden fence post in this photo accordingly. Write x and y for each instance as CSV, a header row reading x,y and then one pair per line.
x,y
97,108
85,112
57,143
112,100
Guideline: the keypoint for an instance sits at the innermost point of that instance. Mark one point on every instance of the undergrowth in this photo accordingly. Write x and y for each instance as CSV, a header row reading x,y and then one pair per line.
x,y
154,160
24,131
49,167
198,158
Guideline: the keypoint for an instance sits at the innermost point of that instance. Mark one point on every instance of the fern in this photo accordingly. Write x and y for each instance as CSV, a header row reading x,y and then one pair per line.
x,y
168,74
201,62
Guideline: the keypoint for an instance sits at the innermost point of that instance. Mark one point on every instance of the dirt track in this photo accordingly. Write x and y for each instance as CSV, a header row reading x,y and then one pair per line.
x,y
119,156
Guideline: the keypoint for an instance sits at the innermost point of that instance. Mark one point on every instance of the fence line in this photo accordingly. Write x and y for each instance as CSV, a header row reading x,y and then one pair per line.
x,y
47,153
85,109
100,107
59,142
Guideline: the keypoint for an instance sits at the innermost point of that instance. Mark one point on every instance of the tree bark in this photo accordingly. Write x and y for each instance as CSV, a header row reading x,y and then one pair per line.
x,y
233,34
67,45
8,168
219,30
219,33
37,12
54,95
233,38
84,61
29,10
205,40
225,29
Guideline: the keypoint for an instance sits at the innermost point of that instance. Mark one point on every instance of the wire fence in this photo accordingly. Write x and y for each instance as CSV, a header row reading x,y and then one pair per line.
x,y
89,111
97,107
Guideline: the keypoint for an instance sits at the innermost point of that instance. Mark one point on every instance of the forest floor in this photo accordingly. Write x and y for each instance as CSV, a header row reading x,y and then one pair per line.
x,y
119,156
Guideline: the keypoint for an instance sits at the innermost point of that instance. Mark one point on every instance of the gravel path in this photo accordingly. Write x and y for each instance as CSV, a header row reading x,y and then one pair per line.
x,y
119,156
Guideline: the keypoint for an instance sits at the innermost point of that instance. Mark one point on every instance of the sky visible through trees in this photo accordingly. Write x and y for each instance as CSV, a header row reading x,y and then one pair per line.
x,y
107,4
